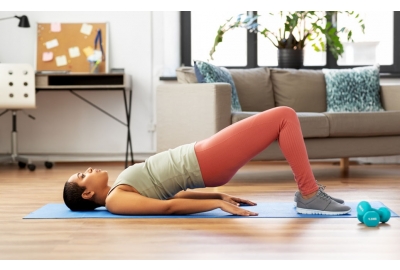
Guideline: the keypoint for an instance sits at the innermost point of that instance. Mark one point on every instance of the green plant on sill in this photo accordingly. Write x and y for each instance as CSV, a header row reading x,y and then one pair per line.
x,y
308,26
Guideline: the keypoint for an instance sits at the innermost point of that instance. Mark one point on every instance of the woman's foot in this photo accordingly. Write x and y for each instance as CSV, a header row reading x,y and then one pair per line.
x,y
320,204
322,188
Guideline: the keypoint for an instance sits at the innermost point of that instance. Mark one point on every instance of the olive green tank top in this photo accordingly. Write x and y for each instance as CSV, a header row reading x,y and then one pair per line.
x,y
163,175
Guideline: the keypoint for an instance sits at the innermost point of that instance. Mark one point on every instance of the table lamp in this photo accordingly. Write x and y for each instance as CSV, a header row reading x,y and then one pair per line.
x,y
23,21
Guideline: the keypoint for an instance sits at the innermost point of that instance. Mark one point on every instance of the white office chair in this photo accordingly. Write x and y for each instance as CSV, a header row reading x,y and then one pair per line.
x,y
17,92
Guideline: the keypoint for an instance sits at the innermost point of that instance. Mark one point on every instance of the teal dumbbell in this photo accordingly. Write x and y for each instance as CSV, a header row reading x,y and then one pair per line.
x,y
384,214
361,215
371,218
363,207
374,215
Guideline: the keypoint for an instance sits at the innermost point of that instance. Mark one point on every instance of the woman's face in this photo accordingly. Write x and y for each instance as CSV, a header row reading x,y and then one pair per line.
x,y
92,179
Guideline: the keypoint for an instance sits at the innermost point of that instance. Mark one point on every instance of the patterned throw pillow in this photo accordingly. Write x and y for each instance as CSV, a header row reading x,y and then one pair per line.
x,y
353,90
208,73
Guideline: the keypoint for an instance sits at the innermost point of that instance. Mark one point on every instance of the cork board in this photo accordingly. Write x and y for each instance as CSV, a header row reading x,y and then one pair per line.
x,y
67,46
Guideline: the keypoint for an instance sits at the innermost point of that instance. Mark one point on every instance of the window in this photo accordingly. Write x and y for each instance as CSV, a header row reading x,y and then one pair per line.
x,y
231,52
369,47
241,49
268,53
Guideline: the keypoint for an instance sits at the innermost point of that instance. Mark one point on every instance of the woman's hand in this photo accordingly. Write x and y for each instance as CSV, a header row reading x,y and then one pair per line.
x,y
235,210
235,200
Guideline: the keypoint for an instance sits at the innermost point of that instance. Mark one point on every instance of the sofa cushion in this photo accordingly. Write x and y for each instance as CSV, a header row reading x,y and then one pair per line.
x,y
254,88
209,73
302,90
353,90
186,75
364,124
313,125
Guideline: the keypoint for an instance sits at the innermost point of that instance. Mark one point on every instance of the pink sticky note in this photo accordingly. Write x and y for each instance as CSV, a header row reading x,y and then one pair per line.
x,y
55,27
47,56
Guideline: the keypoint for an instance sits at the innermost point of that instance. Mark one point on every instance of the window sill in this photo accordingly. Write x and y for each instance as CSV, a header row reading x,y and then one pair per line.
x,y
381,75
389,75
168,79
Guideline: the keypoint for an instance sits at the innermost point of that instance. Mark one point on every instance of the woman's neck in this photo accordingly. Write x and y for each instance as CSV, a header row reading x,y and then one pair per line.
x,y
100,197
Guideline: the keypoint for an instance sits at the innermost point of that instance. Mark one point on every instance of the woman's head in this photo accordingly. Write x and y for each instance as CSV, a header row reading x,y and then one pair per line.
x,y
82,189
73,198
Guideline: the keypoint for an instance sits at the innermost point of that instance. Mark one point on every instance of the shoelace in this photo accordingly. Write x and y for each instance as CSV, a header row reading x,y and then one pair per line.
x,y
324,196
321,189
320,186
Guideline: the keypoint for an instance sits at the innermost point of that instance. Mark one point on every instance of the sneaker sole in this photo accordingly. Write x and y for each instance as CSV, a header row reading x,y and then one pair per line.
x,y
319,212
295,204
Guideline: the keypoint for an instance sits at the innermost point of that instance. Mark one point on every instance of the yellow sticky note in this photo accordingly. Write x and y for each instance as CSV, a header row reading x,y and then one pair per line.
x,y
88,51
74,52
86,29
51,44
47,56
61,60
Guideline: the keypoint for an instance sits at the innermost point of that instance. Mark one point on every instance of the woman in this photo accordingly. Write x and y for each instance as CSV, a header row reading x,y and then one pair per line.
x,y
159,185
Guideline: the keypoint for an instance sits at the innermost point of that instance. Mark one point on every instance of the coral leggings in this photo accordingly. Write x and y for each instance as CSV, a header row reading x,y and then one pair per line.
x,y
224,153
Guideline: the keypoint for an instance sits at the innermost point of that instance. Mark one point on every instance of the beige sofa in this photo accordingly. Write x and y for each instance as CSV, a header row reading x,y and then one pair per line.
x,y
188,111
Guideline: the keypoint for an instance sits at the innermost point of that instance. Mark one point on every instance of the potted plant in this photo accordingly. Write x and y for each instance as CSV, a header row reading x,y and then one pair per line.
x,y
298,29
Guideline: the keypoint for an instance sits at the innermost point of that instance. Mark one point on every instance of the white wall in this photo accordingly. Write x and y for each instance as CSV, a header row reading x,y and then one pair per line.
x,y
67,128
145,43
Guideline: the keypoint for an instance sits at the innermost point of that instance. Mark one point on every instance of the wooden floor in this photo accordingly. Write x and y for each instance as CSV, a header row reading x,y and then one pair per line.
x,y
22,192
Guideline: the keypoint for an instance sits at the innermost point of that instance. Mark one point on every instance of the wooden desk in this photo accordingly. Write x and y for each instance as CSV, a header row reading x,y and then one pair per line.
x,y
92,82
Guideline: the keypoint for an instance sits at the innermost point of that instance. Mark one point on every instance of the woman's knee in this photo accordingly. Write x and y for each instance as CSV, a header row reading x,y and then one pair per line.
x,y
286,112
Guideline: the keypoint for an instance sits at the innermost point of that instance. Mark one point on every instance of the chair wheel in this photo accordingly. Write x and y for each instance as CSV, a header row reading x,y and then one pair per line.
x,y
48,165
22,165
31,167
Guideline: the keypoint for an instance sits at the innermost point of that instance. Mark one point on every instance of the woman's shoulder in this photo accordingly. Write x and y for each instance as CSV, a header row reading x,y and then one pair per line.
x,y
121,198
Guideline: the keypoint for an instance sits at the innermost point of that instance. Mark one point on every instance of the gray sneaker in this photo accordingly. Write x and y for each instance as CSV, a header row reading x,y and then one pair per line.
x,y
322,188
320,204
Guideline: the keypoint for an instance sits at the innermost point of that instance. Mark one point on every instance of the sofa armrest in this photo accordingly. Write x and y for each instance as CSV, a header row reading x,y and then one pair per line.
x,y
191,112
390,97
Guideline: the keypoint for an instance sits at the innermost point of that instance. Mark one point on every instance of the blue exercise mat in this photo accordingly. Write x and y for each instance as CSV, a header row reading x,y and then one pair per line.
x,y
264,210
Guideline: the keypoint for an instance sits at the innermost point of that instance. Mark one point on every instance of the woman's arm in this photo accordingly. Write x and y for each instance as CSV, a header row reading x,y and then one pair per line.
x,y
130,203
188,194
212,195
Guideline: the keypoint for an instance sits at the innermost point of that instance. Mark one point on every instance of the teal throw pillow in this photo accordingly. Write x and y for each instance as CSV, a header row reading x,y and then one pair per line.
x,y
353,90
209,73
